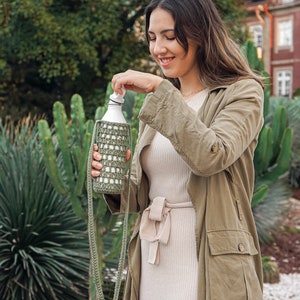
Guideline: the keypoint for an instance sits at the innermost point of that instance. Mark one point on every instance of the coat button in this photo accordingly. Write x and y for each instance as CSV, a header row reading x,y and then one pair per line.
x,y
214,149
241,247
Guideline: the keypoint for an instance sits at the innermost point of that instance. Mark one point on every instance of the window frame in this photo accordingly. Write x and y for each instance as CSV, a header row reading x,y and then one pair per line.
x,y
279,47
276,81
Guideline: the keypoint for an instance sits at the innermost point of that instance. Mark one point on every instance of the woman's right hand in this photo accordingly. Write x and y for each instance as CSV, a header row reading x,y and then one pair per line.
x,y
136,81
96,164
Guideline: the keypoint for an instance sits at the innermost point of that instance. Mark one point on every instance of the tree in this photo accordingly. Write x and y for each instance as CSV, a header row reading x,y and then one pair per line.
x,y
234,13
55,48
52,49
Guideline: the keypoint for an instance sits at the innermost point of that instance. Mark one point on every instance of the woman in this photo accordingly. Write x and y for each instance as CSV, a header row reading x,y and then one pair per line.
x,y
193,174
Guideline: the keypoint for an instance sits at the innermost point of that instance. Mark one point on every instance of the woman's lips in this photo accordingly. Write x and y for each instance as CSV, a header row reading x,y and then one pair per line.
x,y
166,61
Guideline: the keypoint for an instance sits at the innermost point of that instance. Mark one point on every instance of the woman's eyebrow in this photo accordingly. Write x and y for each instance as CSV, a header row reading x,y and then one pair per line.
x,y
162,32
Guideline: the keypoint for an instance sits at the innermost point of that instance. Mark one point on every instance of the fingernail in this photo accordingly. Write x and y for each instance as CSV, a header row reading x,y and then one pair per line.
x,y
96,173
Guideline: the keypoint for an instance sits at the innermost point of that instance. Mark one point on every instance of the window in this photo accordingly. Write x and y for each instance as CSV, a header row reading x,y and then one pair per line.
x,y
284,83
285,33
256,32
286,1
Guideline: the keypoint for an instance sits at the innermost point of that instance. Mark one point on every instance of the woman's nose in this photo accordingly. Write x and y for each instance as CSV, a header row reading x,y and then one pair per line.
x,y
159,47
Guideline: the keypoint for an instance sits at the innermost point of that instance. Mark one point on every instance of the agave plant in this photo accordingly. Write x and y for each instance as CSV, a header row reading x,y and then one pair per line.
x,y
43,245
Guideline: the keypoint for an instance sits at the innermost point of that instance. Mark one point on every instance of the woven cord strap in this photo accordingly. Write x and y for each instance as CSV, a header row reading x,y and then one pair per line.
x,y
92,230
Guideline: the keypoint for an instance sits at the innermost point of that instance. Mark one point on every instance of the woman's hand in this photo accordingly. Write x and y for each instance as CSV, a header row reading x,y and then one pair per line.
x,y
139,82
96,164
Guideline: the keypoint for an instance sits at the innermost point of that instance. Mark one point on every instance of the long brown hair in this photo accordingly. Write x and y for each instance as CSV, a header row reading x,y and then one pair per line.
x,y
220,60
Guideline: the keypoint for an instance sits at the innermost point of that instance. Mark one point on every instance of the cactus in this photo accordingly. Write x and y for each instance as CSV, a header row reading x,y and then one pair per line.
x,y
256,64
271,158
273,152
272,162
66,152
260,194
250,51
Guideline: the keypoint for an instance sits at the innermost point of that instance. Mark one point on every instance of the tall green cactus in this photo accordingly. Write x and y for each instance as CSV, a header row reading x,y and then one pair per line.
x,y
271,159
66,152
272,162
273,152
250,52
257,64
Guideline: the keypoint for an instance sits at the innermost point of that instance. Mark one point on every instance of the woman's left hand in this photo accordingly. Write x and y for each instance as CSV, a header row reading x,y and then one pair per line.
x,y
136,81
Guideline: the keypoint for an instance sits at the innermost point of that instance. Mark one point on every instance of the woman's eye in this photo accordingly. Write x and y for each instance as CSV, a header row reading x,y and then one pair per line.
x,y
151,38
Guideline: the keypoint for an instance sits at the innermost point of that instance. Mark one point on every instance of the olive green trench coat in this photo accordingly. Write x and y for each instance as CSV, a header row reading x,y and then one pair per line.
x,y
218,144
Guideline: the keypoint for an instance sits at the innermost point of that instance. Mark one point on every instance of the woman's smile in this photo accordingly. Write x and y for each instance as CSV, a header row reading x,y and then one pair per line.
x,y
166,61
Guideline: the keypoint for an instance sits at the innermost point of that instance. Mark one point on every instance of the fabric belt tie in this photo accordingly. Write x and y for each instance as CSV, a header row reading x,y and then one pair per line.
x,y
156,225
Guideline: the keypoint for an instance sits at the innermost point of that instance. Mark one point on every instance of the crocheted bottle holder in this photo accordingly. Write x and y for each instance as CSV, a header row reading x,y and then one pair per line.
x,y
112,140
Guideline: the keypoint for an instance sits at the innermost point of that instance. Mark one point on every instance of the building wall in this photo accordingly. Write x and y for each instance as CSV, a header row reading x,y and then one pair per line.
x,y
280,23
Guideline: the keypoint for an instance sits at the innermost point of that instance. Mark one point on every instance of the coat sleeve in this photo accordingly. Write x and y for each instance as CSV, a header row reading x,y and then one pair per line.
x,y
235,120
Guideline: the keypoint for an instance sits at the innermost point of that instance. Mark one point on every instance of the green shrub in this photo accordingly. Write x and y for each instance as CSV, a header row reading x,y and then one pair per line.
x,y
43,245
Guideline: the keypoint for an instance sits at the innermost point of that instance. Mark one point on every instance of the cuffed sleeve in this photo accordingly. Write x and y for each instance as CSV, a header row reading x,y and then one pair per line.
x,y
208,147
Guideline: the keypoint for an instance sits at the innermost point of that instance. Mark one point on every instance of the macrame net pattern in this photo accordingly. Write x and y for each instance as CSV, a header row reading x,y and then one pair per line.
x,y
112,141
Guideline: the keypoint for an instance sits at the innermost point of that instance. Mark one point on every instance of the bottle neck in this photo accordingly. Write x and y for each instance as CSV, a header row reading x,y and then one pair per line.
x,y
113,103
114,113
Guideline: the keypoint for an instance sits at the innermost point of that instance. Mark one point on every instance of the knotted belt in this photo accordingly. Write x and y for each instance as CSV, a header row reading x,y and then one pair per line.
x,y
156,225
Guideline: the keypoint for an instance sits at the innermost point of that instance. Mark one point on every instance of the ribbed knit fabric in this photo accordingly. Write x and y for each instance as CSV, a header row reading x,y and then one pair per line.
x,y
175,277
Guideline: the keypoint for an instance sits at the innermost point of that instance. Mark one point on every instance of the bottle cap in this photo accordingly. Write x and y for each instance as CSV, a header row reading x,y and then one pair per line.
x,y
118,98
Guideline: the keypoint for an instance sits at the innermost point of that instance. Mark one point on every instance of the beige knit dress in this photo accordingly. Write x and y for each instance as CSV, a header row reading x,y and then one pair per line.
x,y
169,264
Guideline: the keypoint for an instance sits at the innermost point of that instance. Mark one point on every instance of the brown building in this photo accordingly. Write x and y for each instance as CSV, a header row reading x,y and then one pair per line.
x,y
275,28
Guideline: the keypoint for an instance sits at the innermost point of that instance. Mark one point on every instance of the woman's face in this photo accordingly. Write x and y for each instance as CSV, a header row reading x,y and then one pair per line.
x,y
166,50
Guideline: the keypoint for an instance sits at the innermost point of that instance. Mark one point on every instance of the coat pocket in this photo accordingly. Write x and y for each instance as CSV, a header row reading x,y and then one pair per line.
x,y
231,268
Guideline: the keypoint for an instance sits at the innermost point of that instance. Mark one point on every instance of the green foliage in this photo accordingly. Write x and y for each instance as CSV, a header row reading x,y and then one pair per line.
x,y
293,112
260,194
62,35
256,64
273,152
272,159
55,48
66,152
272,162
233,12
271,209
250,51
296,93
271,272
43,245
